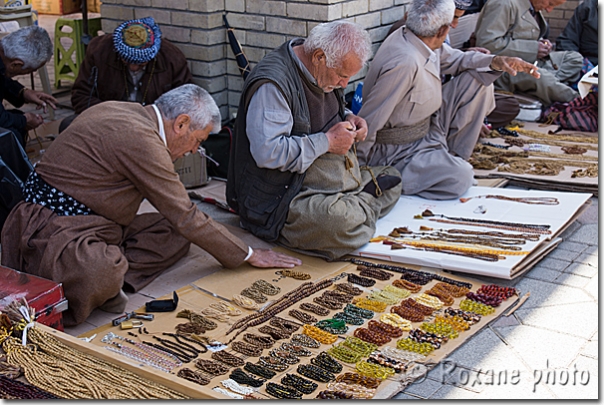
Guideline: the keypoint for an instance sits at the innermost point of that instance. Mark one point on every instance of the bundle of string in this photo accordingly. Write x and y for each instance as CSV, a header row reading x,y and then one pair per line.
x,y
68,373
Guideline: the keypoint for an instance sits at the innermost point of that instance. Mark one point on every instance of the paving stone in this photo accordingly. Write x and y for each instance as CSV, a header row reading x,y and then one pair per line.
x,y
572,246
590,215
587,234
579,319
582,385
423,389
590,349
572,280
582,269
589,256
524,389
543,273
453,392
572,228
593,287
546,294
564,255
505,321
401,395
553,263
540,348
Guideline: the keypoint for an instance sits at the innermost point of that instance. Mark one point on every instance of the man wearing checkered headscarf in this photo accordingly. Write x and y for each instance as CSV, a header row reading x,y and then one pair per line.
x,y
134,63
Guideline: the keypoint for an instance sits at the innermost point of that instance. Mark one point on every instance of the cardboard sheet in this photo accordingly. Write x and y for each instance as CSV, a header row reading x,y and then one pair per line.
x,y
564,180
557,216
221,285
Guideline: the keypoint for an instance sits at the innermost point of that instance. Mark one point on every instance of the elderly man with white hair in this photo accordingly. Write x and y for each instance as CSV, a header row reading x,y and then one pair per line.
x,y
293,174
78,223
426,129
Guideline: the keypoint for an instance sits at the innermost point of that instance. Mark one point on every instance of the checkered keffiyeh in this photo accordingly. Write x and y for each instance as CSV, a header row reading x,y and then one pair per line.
x,y
137,41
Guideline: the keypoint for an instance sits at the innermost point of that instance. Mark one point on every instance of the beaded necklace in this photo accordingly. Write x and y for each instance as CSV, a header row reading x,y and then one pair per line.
x,y
241,377
193,376
356,378
14,389
301,384
524,200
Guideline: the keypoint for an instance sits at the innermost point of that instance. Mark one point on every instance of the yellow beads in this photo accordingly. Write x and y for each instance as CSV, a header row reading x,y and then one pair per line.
x,y
443,329
319,334
413,346
372,305
396,321
359,345
344,353
456,322
429,301
374,370
477,307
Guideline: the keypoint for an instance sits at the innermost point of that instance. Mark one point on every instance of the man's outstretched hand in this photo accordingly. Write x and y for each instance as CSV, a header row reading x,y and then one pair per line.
x,y
513,65
268,258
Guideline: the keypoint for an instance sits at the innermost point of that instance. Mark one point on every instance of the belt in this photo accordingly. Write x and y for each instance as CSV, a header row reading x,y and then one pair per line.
x,y
403,135
37,191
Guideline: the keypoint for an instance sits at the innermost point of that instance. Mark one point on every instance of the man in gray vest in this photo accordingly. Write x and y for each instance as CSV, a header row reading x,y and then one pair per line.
x,y
294,178
426,129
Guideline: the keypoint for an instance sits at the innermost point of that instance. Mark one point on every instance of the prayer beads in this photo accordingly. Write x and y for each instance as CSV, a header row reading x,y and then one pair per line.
x,y
334,326
305,340
429,301
374,273
362,281
301,384
396,321
349,288
413,346
372,305
315,309
319,335
456,322
407,285
259,370
315,373
356,390
491,300
356,378
349,319
359,345
353,310
296,350
477,307
443,329
374,370
499,291
242,378
470,317
384,329
282,392
345,354
402,355
379,358
326,362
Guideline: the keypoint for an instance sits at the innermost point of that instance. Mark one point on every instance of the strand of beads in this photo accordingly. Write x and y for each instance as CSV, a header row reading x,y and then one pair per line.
x,y
358,312
155,362
359,345
370,336
285,356
477,307
385,297
491,300
193,376
359,280
288,326
254,294
356,378
407,285
443,296
455,322
349,288
429,301
225,308
245,302
349,319
282,392
319,335
498,291
326,362
266,288
296,350
246,349
455,290
228,358
339,296
211,367
402,355
413,346
275,333
214,313
293,274
241,377
381,359
14,389
425,337
301,384
273,363
374,273
443,329
470,317
259,370
372,305
315,373
374,370
197,319
328,394
356,390
384,328
302,316
228,393
315,309
328,303
235,387
264,342
334,326
305,340
344,353
395,320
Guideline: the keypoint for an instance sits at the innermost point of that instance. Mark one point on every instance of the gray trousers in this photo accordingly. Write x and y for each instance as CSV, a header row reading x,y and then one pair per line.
x,y
435,166
552,86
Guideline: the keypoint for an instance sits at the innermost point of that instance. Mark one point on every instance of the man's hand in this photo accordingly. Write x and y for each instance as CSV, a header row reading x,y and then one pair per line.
x,y
513,65
33,120
267,258
341,137
545,47
40,98
484,131
361,127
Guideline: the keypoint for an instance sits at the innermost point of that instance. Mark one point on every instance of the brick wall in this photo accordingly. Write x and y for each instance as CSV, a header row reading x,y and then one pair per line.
x,y
196,27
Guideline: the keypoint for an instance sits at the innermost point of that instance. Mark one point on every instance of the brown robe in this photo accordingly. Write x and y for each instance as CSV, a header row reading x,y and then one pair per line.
x,y
111,170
